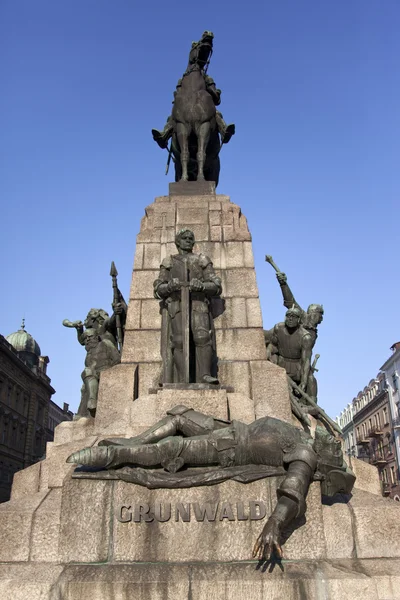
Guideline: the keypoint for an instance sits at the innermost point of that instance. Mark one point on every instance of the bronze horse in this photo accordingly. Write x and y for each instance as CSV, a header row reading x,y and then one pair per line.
x,y
195,142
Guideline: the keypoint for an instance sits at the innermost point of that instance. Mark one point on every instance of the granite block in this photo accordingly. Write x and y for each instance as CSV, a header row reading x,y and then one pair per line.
x,y
85,520
270,391
219,540
150,314
376,521
248,255
142,284
152,256
338,530
15,526
241,408
69,431
133,315
215,233
26,482
192,188
149,376
138,260
44,542
235,374
240,344
253,310
240,283
234,314
367,476
57,469
116,393
141,346
190,215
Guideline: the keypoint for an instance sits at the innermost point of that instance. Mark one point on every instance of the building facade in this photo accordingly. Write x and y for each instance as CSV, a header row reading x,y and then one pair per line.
x,y
391,370
56,416
25,406
369,432
345,422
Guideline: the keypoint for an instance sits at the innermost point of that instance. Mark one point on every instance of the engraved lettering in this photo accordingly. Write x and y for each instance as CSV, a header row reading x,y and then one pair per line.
x,y
241,516
183,512
208,510
141,513
124,514
226,512
257,515
158,512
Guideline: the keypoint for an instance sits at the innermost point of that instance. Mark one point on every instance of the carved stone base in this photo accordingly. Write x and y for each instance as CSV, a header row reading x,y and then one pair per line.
x,y
350,579
191,386
192,188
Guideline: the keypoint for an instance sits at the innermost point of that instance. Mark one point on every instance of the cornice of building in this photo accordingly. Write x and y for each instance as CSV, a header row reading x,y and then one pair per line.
x,y
377,401
12,354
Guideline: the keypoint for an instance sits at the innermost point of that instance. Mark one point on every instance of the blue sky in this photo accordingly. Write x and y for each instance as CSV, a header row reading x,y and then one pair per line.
x,y
313,88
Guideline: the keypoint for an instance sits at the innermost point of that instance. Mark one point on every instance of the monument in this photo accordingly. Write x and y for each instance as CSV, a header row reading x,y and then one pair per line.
x,y
202,470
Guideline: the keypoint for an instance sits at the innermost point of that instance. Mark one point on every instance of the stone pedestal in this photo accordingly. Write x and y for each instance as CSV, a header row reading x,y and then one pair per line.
x,y
64,538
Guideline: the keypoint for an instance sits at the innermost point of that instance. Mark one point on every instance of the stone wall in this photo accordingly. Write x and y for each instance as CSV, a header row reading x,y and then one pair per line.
x,y
221,233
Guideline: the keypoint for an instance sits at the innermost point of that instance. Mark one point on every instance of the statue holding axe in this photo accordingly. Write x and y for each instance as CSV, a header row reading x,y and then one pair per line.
x,y
311,318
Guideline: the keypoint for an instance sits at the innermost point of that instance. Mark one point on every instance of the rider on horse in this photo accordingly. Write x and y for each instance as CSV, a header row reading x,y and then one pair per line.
x,y
225,131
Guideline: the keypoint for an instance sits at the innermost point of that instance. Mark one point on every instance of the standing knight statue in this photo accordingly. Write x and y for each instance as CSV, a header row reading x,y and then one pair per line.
x,y
197,129
185,284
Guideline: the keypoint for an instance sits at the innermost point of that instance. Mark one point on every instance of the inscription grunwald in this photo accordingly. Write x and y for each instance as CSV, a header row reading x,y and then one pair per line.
x,y
254,510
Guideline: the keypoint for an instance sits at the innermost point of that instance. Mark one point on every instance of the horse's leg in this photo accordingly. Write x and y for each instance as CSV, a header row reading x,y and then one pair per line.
x,y
203,136
182,134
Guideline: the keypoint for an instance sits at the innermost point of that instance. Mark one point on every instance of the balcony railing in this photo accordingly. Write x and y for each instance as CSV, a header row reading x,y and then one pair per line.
x,y
375,432
362,440
378,459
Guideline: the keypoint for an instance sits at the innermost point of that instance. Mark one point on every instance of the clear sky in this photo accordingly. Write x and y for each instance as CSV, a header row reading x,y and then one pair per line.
x,y
313,88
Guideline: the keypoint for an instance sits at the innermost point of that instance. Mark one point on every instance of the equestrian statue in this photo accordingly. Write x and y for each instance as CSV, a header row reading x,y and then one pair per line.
x,y
197,130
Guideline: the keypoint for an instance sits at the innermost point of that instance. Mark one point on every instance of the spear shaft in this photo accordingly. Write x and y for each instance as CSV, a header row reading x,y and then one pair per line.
x,y
116,298
321,413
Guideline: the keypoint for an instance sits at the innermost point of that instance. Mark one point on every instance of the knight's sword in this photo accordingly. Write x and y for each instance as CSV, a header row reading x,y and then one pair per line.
x,y
185,311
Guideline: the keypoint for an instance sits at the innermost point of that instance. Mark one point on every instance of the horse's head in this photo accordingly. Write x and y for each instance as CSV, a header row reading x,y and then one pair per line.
x,y
201,51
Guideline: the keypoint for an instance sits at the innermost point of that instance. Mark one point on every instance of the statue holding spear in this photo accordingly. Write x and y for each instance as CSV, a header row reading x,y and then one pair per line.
x,y
102,337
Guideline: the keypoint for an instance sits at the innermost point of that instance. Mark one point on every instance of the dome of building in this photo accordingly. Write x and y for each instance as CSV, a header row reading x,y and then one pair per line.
x,y
22,341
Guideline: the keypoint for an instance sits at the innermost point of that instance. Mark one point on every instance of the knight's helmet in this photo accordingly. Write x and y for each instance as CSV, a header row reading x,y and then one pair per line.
x,y
336,476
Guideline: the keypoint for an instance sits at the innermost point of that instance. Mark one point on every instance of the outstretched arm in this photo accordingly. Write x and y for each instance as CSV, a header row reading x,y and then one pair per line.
x,y
291,504
288,298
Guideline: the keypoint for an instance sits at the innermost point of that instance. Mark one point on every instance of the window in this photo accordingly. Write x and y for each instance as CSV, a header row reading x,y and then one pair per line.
x,y
395,382
393,475
385,416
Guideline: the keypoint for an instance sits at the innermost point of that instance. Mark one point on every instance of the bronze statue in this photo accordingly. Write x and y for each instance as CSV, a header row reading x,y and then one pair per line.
x,y
197,129
101,354
315,312
290,346
228,450
102,337
185,284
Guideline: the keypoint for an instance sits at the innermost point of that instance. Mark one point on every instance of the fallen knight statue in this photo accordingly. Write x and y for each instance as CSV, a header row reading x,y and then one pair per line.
x,y
192,449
